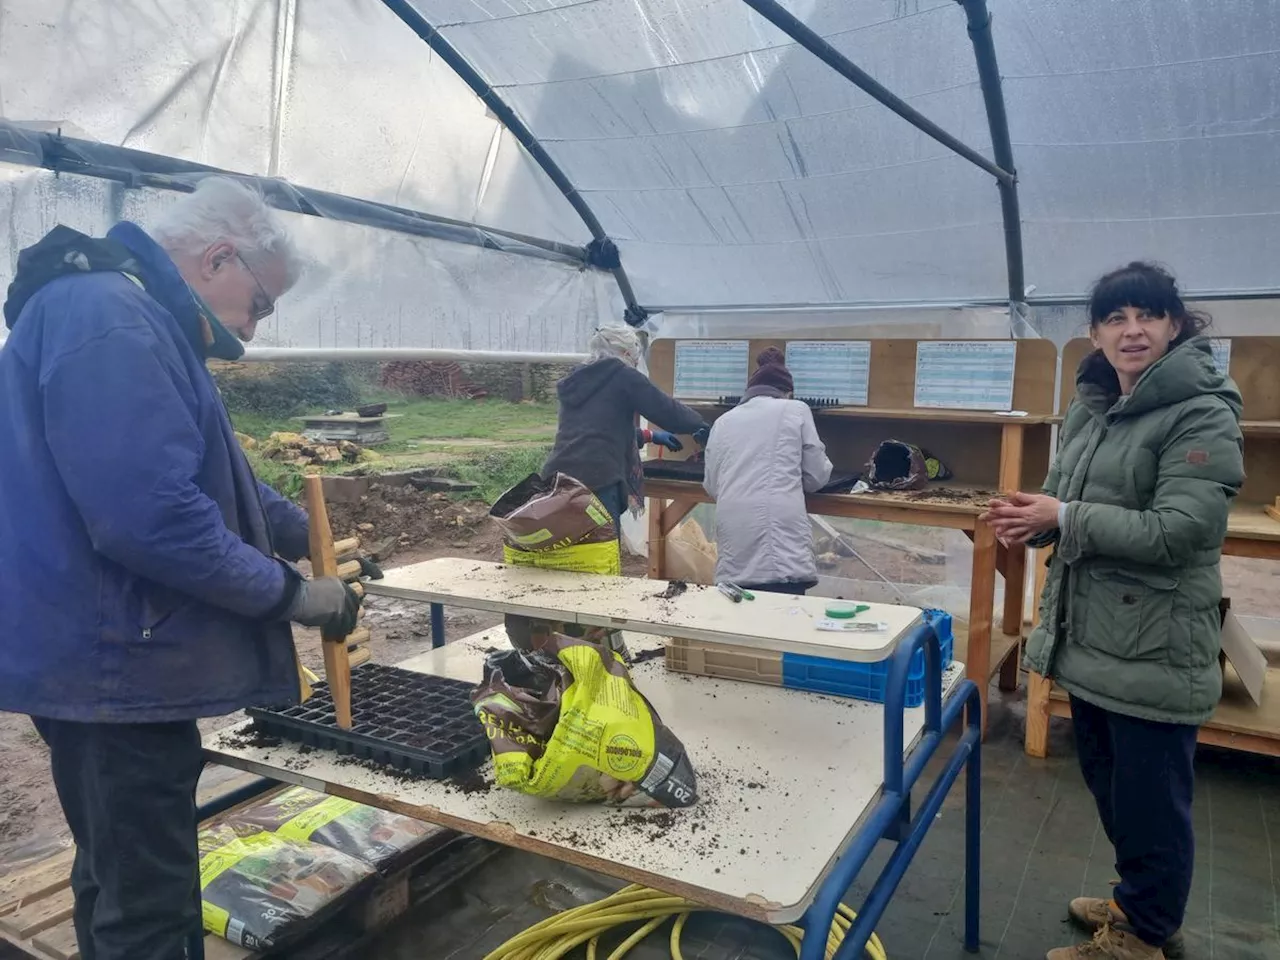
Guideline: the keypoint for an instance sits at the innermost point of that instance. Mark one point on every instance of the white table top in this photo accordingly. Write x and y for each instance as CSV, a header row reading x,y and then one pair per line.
x,y
784,779
770,621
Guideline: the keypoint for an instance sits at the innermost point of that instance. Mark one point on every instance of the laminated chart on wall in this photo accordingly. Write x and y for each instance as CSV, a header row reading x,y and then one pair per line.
x,y
1221,355
710,369
836,370
965,374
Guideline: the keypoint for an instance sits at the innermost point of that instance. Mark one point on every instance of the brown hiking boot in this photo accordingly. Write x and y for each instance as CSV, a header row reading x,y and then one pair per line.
x,y
1115,940
1109,943
1093,913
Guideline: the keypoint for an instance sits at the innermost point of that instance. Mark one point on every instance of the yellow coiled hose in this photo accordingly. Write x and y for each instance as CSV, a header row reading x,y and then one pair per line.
x,y
556,936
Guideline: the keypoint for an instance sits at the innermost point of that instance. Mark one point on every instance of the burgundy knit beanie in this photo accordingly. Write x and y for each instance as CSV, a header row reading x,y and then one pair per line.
x,y
771,371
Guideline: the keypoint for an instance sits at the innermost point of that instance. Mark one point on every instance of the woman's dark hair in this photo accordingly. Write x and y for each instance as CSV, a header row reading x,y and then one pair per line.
x,y
1148,287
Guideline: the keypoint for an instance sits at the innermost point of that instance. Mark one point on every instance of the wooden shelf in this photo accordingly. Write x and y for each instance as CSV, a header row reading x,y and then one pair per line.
x,y
1237,724
952,505
1250,521
917,414
1260,428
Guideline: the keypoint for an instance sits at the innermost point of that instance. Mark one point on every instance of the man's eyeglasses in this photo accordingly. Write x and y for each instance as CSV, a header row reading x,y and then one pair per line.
x,y
263,306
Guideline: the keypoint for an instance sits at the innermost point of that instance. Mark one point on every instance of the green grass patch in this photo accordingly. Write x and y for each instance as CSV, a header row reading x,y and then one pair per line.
x,y
433,419
494,473
439,419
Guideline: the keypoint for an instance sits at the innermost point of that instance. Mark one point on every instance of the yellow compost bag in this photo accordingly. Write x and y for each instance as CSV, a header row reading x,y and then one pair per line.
x,y
566,722
260,890
602,558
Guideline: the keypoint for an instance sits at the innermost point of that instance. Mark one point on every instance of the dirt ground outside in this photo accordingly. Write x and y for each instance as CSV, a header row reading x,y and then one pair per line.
x,y
426,525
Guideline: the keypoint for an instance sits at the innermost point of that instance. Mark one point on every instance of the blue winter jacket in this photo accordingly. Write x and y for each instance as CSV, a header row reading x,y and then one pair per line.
x,y
138,579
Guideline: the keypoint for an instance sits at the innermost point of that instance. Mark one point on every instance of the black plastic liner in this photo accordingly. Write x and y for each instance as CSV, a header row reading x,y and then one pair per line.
x,y
412,721
695,470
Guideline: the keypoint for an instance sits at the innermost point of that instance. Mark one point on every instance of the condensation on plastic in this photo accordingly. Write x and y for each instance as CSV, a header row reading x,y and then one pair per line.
x,y
364,287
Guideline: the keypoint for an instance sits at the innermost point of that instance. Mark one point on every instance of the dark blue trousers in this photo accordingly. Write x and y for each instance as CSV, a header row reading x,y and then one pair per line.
x,y
1142,776
128,792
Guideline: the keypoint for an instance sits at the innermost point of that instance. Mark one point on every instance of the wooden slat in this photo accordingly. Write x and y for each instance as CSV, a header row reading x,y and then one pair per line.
x,y
36,881
337,663
38,915
59,941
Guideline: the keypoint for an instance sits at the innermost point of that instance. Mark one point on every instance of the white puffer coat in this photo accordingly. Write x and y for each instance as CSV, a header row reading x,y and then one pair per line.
x,y
762,457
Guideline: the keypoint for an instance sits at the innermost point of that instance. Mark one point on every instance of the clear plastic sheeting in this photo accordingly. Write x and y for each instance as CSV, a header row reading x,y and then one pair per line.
x,y
731,166
364,287
333,94
735,168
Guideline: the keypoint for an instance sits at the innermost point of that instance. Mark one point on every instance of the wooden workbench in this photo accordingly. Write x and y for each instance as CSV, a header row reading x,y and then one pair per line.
x,y
784,778
1238,724
986,451
771,621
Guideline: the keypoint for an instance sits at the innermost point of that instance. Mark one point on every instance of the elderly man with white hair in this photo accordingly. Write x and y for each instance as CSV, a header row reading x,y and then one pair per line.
x,y
146,581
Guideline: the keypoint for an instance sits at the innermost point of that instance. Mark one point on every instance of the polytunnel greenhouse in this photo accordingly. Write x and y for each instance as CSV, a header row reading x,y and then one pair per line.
x,y
508,174
896,459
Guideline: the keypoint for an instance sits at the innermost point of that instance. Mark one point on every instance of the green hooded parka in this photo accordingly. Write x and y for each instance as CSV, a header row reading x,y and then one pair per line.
x,y
1129,617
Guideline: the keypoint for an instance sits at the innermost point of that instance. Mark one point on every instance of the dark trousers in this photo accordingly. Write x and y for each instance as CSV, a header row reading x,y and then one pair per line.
x,y
782,586
1141,774
128,792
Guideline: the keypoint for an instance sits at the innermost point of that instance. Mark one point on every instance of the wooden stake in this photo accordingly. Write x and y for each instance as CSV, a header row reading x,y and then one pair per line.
x,y
324,563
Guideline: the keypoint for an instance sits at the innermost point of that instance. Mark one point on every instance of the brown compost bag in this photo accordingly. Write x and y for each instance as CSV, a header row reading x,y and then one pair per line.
x,y
897,465
538,515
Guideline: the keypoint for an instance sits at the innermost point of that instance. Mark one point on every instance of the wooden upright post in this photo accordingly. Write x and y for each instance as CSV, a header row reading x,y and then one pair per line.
x,y
657,539
1036,741
1015,568
324,563
981,601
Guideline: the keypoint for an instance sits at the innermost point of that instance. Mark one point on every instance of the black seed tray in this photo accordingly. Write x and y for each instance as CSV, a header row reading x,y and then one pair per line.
x,y
412,721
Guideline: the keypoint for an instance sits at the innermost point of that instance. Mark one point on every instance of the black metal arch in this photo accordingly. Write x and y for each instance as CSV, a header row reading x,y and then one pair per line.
x,y
602,252
993,98
136,168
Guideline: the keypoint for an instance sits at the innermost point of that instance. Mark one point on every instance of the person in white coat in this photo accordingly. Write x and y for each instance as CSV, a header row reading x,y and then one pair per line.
x,y
763,456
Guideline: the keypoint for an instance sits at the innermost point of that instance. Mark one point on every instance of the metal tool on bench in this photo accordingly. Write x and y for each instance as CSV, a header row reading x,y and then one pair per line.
x,y
340,653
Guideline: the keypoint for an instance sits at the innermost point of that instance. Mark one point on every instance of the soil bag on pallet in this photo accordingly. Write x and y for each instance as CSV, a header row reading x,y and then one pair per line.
x,y
260,890
566,722
373,836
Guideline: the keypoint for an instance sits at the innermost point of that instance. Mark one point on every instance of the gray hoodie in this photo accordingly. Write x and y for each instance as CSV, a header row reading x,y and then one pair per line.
x,y
596,439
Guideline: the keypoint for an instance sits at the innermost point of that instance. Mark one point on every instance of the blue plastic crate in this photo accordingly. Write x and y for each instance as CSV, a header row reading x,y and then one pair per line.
x,y
865,681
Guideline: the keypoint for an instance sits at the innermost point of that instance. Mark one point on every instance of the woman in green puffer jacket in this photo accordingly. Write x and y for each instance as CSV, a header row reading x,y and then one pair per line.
x,y
1149,459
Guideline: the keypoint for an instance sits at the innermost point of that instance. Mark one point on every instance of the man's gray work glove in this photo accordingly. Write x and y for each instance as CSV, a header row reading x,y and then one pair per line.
x,y
327,603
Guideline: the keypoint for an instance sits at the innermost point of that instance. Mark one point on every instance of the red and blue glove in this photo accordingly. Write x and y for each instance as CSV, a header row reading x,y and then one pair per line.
x,y
662,438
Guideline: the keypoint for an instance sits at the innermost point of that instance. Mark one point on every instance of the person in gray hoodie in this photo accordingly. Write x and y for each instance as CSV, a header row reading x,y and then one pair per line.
x,y
597,441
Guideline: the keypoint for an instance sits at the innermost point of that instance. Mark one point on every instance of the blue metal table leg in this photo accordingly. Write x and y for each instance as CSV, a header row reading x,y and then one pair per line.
x,y
891,817
973,832
437,625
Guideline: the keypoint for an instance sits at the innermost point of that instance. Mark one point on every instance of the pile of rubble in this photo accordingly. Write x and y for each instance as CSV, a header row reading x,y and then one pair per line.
x,y
297,450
